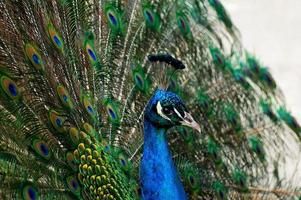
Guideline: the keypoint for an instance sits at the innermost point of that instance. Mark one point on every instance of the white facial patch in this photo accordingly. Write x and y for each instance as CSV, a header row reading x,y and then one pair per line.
x,y
178,113
159,111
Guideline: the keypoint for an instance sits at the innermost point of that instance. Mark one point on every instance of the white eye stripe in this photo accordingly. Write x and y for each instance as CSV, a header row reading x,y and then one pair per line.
x,y
178,113
159,111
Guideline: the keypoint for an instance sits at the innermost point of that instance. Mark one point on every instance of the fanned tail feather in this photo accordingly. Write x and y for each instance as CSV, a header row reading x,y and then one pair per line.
x,y
76,77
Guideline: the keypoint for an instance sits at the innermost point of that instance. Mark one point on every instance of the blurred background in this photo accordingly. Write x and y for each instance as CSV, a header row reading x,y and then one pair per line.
x,y
271,30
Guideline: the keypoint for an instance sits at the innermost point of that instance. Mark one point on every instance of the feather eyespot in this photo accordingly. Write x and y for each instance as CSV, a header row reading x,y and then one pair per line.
x,y
57,41
149,16
12,89
122,161
9,87
55,38
111,113
34,56
64,97
191,180
138,81
56,120
73,184
36,59
90,52
106,146
71,160
41,148
74,135
89,107
112,18
183,23
112,110
89,129
92,55
29,192
107,149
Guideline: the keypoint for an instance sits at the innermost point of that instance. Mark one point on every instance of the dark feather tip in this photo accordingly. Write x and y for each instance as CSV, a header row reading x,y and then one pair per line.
x,y
152,58
178,64
166,58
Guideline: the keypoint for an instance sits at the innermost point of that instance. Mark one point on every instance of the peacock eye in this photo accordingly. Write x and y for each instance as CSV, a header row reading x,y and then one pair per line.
x,y
168,110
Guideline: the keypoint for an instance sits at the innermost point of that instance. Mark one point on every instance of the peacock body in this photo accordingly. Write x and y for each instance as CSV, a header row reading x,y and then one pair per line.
x,y
97,99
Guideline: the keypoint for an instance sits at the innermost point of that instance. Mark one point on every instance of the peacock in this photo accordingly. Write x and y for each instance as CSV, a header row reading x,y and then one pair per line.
x,y
138,99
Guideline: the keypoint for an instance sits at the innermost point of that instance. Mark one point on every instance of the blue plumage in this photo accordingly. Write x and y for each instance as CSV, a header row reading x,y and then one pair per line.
x,y
158,174
159,177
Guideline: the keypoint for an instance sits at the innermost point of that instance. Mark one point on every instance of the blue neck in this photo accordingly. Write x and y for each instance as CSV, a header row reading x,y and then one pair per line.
x,y
158,174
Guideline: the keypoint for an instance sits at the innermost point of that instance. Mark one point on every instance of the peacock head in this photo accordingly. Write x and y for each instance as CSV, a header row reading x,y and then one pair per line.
x,y
166,109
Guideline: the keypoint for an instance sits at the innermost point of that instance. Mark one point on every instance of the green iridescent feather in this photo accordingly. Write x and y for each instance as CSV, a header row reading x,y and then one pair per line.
x,y
75,79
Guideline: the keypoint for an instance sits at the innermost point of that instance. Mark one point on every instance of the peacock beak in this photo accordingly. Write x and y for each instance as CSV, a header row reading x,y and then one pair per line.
x,y
190,122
